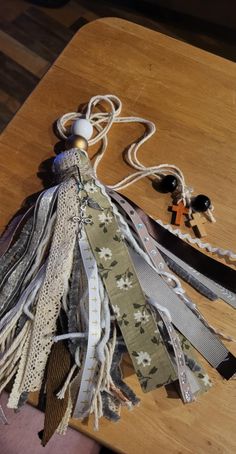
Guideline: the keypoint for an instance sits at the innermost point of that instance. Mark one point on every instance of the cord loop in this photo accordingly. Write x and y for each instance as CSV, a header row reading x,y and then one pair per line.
x,y
102,123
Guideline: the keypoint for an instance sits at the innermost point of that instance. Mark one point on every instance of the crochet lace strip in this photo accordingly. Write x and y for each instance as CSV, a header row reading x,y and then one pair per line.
x,y
57,275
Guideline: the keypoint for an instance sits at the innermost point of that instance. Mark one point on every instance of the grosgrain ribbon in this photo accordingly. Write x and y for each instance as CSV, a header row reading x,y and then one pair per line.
x,y
58,368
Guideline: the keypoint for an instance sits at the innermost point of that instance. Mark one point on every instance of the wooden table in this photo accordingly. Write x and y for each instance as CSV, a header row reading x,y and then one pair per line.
x,y
191,95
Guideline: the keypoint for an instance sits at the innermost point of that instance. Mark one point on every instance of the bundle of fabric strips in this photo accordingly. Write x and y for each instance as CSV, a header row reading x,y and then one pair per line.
x,y
86,276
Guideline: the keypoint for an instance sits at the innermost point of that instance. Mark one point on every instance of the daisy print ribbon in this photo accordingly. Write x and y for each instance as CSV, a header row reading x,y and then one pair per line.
x,y
148,352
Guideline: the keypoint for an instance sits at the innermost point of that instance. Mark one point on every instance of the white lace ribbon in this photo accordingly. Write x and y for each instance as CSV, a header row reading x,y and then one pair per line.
x,y
57,275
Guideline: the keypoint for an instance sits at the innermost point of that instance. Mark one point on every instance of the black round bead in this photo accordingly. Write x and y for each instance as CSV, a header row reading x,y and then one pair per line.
x,y
201,203
168,184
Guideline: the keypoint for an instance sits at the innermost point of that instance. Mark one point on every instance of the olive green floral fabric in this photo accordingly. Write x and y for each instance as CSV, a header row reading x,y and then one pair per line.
x,y
149,355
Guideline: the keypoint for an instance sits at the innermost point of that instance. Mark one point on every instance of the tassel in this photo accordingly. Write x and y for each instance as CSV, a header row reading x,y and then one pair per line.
x,y
87,276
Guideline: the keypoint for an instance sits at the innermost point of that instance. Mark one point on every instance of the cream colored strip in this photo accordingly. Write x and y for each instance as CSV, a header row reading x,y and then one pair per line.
x,y
82,406
57,275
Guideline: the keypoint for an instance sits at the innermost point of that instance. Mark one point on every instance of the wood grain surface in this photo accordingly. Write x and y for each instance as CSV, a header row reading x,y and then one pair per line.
x,y
191,95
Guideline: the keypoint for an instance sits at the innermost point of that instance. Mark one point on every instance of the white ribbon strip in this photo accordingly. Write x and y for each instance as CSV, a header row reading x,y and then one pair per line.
x,y
84,398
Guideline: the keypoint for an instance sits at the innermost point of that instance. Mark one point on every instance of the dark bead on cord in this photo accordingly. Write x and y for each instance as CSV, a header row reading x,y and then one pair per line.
x,y
200,203
167,184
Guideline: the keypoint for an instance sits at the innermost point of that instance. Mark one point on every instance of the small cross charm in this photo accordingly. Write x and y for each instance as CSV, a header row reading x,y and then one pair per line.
x,y
197,225
178,211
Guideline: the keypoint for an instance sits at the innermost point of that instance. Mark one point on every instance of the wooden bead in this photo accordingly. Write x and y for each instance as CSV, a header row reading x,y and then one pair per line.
x,y
76,142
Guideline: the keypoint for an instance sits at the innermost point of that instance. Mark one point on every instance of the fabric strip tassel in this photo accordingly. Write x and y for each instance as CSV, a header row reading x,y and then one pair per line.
x,y
35,294
82,283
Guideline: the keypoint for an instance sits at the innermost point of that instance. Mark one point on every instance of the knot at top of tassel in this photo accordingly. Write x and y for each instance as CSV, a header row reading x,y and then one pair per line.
x,y
72,163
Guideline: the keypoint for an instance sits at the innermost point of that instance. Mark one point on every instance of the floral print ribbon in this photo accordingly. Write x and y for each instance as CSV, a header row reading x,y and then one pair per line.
x,y
141,334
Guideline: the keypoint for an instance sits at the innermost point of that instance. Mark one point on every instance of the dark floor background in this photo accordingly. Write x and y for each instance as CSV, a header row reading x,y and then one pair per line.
x,y
31,38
